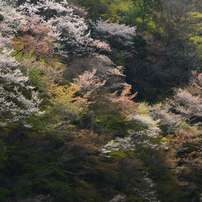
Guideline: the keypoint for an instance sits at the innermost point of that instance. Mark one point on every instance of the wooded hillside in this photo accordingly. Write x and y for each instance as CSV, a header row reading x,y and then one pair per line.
x,y
101,100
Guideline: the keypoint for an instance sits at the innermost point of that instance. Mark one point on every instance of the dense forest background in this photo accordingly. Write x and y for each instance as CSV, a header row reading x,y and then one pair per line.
x,y
101,100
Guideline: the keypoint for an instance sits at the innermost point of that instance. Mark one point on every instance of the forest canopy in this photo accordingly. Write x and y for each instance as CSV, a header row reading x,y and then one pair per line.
x,y
100,100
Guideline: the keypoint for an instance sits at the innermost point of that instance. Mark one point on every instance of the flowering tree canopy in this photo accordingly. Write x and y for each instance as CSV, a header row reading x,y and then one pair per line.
x,y
70,30
18,100
122,33
11,20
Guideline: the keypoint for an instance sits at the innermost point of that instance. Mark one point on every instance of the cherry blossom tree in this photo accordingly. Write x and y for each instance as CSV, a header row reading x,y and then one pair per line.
x,y
186,104
70,30
121,33
18,100
11,19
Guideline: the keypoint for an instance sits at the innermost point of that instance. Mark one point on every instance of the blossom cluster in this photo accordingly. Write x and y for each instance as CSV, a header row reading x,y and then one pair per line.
x,y
69,29
18,100
12,20
122,33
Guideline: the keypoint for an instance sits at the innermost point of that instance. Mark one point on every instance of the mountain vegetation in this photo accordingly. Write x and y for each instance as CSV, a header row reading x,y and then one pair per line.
x,y
100,100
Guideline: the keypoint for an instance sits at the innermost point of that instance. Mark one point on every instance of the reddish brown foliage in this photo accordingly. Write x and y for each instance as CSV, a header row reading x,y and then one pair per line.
x,y
154,48
86,143
34,37
124,100
34,27
186,153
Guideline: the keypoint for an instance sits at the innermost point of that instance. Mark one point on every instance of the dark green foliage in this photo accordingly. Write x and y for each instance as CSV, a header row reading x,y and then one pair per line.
x,y
95,8
139,41
3,154
1,18
3,194
141,14
105,9
158,168
109,121
118,59
68,170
